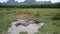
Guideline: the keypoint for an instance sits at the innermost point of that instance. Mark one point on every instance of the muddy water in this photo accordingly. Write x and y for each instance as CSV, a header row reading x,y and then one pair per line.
x,y
31,28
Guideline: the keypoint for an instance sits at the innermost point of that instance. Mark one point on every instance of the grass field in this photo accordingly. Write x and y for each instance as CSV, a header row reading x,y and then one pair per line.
x,y
46,15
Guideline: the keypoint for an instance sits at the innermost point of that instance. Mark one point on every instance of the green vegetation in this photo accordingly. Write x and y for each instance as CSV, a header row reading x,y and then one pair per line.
x,y
56,16
55,5
46,15
23,33
47,29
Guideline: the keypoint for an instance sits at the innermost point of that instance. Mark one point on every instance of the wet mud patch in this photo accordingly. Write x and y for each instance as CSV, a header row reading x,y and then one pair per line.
x,y
22,25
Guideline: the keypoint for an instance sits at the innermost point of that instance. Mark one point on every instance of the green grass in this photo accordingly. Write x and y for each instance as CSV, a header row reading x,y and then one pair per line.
x,y
23,33
45,15
47,29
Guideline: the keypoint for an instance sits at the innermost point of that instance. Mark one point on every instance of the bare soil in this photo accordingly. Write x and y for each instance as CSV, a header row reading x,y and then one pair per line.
x,y
24,15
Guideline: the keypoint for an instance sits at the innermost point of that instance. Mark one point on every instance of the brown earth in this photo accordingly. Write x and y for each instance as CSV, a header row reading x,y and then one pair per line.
x,y
24,15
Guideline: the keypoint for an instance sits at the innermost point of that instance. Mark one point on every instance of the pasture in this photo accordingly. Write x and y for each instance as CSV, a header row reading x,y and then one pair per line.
x,y
50,16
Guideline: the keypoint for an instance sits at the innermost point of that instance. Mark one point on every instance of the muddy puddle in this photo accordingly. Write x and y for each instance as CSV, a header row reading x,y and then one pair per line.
x,y
24,26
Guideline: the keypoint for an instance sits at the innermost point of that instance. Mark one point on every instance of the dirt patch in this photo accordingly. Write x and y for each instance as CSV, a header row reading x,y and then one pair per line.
x,y
24,16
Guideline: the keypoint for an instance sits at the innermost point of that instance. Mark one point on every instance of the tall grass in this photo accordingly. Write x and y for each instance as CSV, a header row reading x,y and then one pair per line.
x,y
56,16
